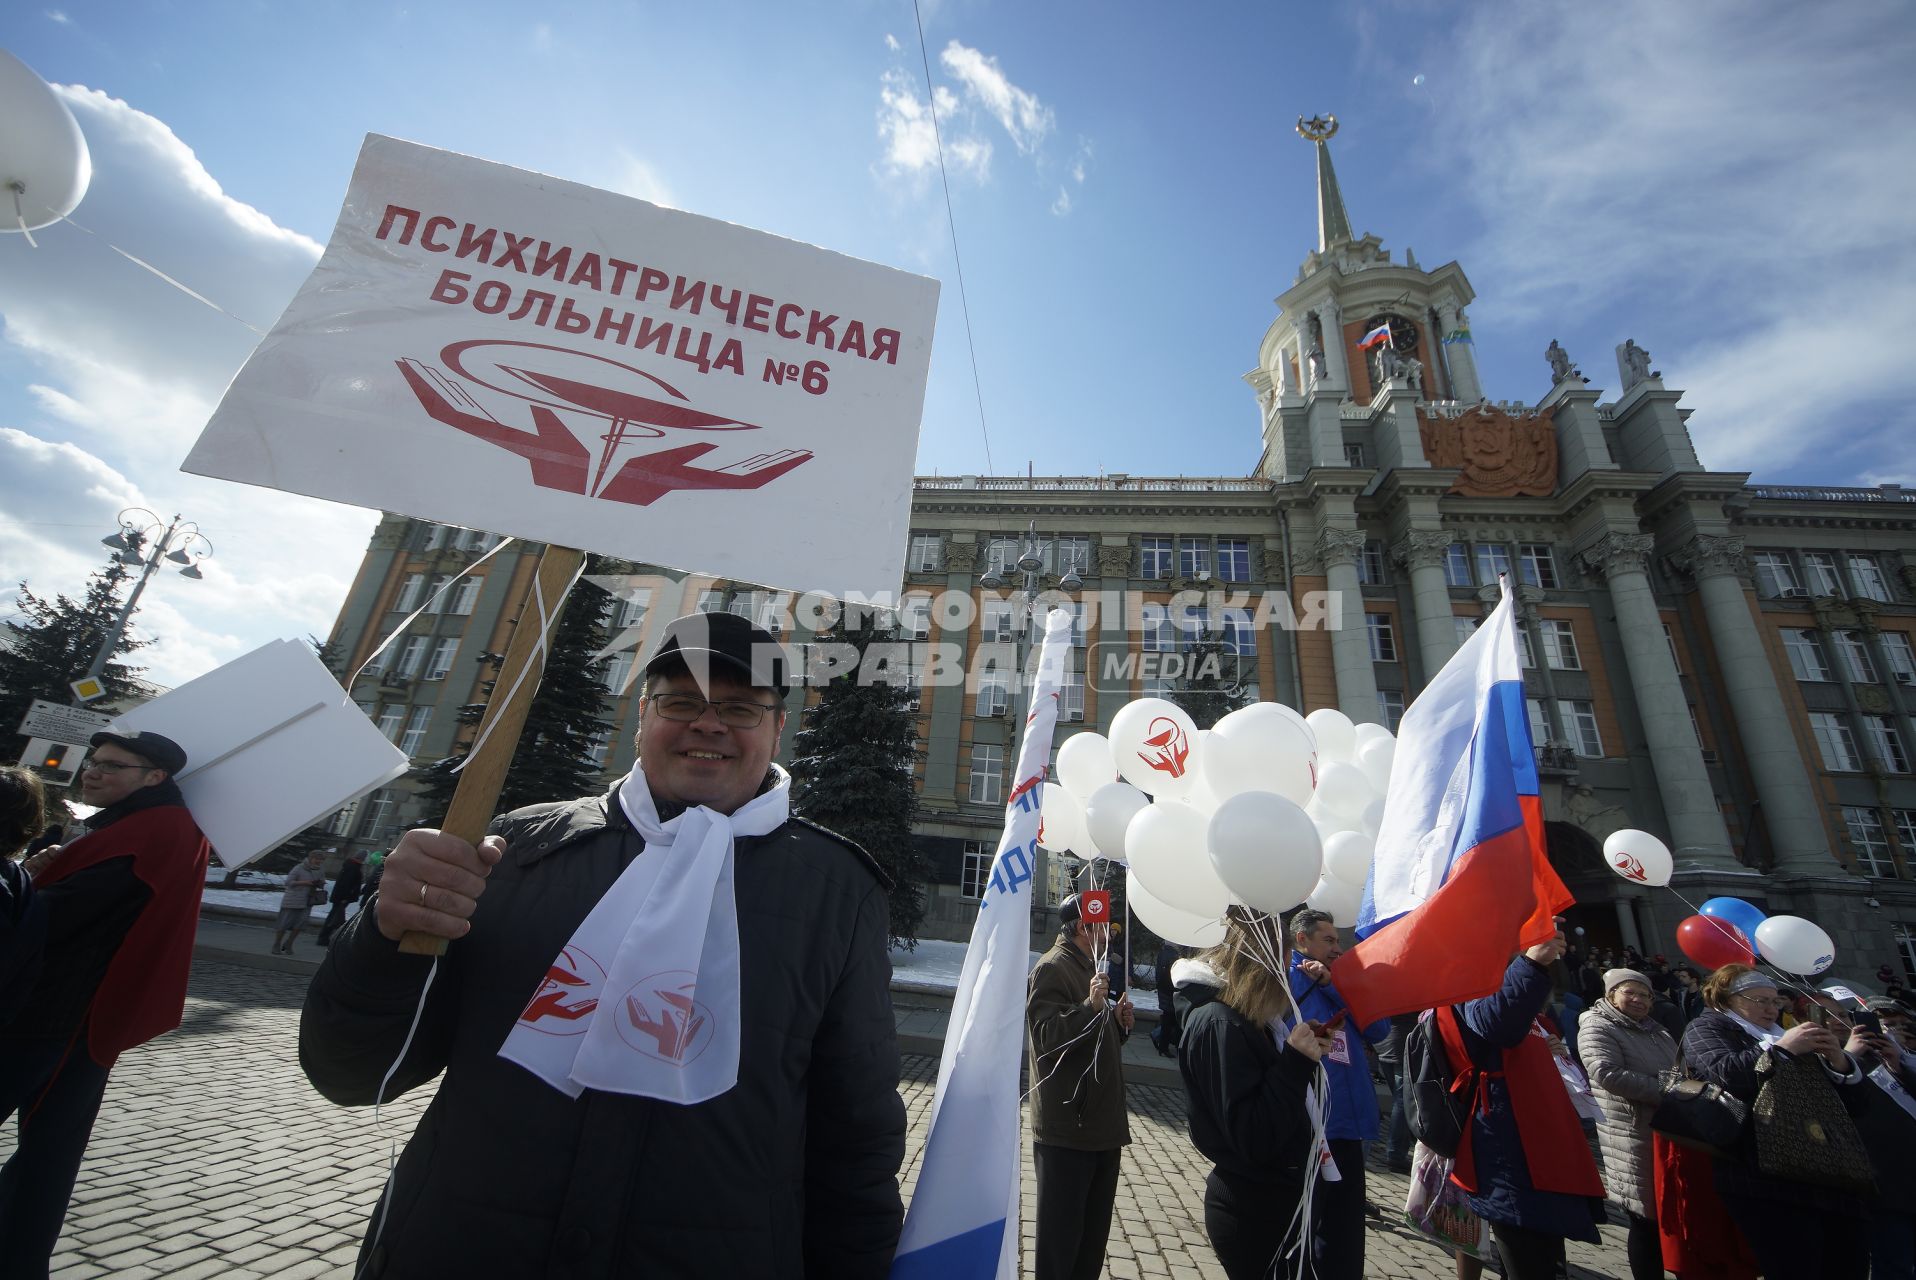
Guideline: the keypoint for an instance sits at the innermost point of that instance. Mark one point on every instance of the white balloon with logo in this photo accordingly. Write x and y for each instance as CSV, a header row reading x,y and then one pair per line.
x,y
1165,846
1154,744
1336,735
1108,814
1185,928
1060,820
1795,945
1084,764
1265,850
1639,857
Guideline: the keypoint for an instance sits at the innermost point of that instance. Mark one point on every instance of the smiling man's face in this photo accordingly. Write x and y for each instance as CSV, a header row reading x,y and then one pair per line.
x,y
704,761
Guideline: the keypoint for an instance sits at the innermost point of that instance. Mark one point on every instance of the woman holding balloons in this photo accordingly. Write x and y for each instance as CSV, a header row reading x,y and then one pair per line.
x,y
1795,1228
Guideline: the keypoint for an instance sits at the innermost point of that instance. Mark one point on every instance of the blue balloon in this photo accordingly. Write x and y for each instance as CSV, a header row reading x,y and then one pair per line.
x,y
1736,912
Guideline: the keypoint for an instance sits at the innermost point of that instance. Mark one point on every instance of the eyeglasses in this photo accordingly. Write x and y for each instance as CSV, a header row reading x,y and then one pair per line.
x,y
108,766
685,708
1774,1002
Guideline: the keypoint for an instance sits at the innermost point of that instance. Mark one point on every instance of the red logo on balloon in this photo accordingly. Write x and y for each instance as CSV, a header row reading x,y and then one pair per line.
x,y
1094,906
1631,868
1169,747
574,391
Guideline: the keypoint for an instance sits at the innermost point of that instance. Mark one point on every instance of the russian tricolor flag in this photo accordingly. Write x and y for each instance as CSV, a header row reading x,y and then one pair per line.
x,y
1380,334
1461,880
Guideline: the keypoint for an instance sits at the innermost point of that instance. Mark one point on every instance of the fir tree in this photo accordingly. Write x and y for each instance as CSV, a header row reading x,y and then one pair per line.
x,y
852,769
1212,689
553,760
54,641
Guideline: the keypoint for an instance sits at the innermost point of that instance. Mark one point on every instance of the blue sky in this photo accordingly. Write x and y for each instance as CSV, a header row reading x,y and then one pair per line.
x,y
1729,185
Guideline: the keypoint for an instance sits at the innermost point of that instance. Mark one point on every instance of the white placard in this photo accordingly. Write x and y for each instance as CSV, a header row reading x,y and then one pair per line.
x,y
57,722
494,348
272,746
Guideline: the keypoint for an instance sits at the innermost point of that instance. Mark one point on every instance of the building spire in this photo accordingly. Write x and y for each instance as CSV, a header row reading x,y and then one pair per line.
x,y
1333,224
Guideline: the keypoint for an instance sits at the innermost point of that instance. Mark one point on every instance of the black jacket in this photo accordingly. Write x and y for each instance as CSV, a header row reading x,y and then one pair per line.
x,y
793,1172
1246,1096
346,886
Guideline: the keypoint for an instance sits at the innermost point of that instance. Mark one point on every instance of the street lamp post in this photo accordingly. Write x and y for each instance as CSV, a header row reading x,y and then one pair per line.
x,y
178,540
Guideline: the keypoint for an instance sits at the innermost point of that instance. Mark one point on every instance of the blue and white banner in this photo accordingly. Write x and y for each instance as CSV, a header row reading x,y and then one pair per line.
x,y
963,1220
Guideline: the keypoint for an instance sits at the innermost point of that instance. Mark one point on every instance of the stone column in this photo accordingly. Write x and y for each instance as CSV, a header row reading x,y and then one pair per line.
x,y
1698,837
1336,362
1422,553
1627,924
1337,550
1460,358
1790,807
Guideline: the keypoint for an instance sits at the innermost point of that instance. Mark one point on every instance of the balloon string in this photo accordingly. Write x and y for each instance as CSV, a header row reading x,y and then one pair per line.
x,y
197,297
19,215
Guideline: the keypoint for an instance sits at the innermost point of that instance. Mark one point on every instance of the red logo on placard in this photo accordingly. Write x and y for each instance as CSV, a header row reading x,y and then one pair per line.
x,y
661,1019
572,392
1169,748
569,991
1094,906
1631,868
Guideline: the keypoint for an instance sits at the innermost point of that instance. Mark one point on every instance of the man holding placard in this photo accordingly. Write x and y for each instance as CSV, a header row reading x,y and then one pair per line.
x,y
121,905
665,1020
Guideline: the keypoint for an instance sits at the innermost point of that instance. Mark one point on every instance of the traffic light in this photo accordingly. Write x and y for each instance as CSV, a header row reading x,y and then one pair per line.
x,y
54,757
57,763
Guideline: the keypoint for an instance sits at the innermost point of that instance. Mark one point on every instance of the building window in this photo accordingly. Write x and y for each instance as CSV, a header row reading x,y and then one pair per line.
x,y
994,693
1193,628
1390,708
1819,573
1902,662
1354,454
342,821
1866,578
1466,628
597,746
995,621
378,808
1370,564
414,738
1775,577
441,661
1581,718
1234,559
1383,637
464,596
1670,639
977,872
1696,727
1068,555
1906,948
1868,840
408,598
632,608
987,781
1492,560
618,673
434,601
1835,742
1079,629
1805,649
1539,722
1525,656
391,717
927,553
1155,556
1194,557
1539,566
435,537
711,600
1855,653
1001,555
1158,636
1905,831
1457,565
1885,743
411,654
1234,630
1071,703
1560,645
914,617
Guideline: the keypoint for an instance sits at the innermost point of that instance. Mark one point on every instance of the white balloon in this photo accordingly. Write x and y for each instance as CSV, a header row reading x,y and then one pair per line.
x,y
1165,845
1154,743
1336,735
1272,758
1795,945
1344,790
1347,857
1372,820
1367,733
1265,850
1328,821
1107,815
1181,927
1265,721
1084,764
1339,899
1060,820
1639,857
1375,758
41,149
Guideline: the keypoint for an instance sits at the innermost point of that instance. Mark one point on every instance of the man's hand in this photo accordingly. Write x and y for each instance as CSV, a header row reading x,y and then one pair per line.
x,y
1313,1044
432,884
1127,1016
1100,985
1546,952
41,861
1315,971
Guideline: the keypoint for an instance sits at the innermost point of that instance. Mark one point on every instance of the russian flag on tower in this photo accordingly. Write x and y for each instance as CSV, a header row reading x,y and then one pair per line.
x,y
1376,337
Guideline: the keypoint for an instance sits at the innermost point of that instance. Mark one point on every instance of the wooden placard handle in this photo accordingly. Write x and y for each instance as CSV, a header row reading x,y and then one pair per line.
x,y
479,782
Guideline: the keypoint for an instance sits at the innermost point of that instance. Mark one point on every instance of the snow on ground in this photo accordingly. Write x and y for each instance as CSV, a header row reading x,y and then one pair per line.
x,y
938,965
264,905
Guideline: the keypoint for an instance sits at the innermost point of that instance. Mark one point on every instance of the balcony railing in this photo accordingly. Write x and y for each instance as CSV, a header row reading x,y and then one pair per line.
x,y
1117,483
1832,493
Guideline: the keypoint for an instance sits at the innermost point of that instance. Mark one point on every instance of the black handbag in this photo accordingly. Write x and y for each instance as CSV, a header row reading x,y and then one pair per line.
x,y
1699,1115
1803,1134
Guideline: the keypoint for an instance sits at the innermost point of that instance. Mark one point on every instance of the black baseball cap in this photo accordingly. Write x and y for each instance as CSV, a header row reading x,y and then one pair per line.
x,y
700,639
161,751
1068,910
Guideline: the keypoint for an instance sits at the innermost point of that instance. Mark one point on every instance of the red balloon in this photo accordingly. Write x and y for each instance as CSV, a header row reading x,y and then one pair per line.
x,y
1713,943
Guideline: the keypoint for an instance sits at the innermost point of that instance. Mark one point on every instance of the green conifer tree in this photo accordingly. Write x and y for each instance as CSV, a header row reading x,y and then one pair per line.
x,y
53,642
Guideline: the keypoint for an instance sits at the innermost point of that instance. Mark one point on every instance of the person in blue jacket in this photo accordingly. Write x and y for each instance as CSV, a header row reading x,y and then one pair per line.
x,y
1337,1217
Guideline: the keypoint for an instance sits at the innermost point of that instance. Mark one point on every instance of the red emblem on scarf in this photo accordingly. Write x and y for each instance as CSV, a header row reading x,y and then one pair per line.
x,y
661,1018
568,992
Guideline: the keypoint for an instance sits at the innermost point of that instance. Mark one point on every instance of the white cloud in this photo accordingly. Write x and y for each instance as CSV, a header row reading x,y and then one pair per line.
x,y
891,42
1756,190
911,144
1023,117
125,372
59,16
1062,205
634,177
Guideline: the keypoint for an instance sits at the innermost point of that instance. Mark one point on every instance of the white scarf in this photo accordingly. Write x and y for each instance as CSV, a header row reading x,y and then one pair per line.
x,y
669,925
1765,1036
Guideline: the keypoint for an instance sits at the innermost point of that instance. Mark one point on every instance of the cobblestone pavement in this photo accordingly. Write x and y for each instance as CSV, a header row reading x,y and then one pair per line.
x,y
213,1157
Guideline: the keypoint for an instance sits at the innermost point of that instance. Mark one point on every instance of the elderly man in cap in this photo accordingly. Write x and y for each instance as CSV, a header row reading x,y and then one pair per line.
x,y
121,905
664,1021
